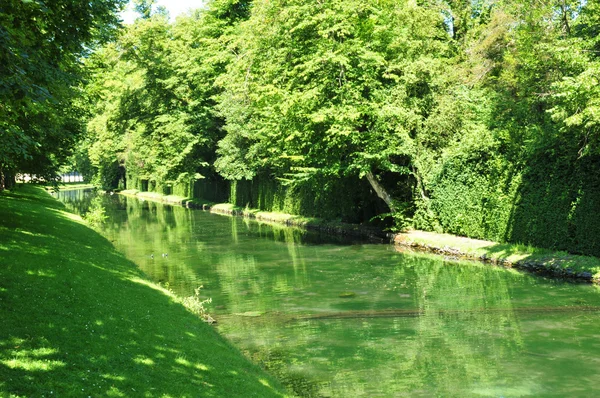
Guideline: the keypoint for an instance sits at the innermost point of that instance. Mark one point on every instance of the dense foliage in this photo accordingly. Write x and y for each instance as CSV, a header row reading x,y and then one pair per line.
x,y
153,90
525,172
479,118
41,46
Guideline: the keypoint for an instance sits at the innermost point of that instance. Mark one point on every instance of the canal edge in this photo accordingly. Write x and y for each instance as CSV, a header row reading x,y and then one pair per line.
x,y
552,265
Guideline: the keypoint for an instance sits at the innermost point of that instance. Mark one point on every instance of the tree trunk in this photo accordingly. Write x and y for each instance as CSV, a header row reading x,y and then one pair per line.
x,y
420,185
381,192
565,18
7,180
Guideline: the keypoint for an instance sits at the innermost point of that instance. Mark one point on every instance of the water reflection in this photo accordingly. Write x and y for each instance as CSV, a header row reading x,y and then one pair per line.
x,y
76,200
364,320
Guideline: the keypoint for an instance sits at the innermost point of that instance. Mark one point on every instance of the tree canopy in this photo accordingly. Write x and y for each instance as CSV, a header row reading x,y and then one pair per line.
x,y
447,110
41,47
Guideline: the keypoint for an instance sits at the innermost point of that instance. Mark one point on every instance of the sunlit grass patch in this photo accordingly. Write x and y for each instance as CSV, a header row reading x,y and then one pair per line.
x,y
183,361
152,285
111,377
115,392
35,353
129,192
30,364
32,360
171,199
224,207
264,383
268,217
69,186
201,367
144,361
41,272
28,233
77,317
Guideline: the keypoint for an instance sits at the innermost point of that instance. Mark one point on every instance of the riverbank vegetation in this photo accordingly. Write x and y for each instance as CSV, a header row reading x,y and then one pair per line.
x,y
543,261
549,262
42,44
476,118
78,319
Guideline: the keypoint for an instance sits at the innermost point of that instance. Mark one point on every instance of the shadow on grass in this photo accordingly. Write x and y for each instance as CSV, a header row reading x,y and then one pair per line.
x,y
78,319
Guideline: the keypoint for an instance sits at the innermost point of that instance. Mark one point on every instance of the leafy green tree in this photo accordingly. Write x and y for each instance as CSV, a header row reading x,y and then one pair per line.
x,y
332,89
143,7
444,107
577,96
41,44
159,123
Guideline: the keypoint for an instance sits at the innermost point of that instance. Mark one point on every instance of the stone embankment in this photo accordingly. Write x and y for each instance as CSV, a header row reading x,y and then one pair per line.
x,y
539,261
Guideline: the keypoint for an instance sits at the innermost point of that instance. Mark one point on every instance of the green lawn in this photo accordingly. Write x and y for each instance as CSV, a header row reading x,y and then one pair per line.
x,y
79,319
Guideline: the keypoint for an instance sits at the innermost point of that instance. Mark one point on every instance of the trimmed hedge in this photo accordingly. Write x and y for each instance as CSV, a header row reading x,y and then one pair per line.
x,y
552,200
343,199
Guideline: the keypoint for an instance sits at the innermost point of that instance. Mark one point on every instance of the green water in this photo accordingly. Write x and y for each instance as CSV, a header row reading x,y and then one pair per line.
x,y
333,319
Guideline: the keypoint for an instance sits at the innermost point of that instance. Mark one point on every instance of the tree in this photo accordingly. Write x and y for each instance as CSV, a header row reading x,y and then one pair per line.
x,y
157,120
144,8
330,88
576,97
41,44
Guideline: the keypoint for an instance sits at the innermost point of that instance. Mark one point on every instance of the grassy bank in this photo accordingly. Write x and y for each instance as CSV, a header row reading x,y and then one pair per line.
x,y
555,263
170,199
79,319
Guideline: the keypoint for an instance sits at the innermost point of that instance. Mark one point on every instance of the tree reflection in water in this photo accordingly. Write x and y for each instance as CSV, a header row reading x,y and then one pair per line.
x,y
338,319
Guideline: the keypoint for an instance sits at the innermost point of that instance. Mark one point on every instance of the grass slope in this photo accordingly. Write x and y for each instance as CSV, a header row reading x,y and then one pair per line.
x,y
79,319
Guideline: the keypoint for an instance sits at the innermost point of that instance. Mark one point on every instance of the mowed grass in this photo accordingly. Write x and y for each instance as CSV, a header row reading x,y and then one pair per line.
x,y
78,319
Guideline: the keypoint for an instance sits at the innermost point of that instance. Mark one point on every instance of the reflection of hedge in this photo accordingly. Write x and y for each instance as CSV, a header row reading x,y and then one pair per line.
x,y
553,201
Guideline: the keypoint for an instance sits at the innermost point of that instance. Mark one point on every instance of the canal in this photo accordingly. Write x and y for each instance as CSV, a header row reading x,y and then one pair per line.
x,y
333,318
